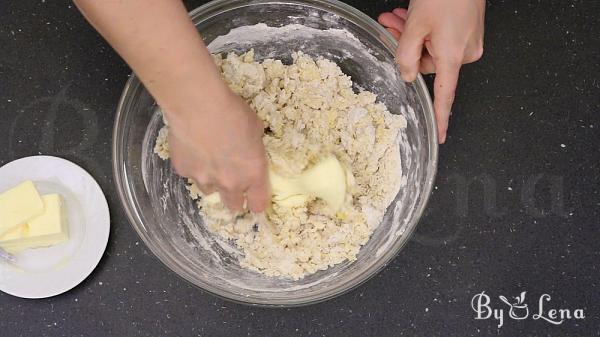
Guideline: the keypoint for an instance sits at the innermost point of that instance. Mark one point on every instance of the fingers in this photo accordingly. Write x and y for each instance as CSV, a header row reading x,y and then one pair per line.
x,y
410,42
233,199
230,191
206,188
444,88
248,191
402,13
390,20
258,195
427,65
396,34
473,52
178,162
410,48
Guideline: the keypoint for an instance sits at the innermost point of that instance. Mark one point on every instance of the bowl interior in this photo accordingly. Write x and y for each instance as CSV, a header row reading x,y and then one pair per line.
x,y
156,200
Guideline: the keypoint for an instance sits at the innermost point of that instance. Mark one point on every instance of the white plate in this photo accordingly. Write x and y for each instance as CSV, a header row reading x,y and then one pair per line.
x,y
46,272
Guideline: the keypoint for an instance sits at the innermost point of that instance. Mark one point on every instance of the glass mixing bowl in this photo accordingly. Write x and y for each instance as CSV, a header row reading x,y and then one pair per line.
x,y
167,220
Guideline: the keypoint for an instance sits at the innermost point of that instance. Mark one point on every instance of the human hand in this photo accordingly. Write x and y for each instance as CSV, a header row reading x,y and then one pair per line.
x,y
219,145
214,137
452,34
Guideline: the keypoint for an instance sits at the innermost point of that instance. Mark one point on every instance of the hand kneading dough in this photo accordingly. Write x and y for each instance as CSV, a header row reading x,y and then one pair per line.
x,y
334,165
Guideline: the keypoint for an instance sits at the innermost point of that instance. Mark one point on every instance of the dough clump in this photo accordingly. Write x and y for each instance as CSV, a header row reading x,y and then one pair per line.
x,y
311,113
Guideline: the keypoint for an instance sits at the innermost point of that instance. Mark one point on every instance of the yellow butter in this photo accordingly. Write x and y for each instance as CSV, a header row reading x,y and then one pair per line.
x,y
15,233
48,229
18,205
325,180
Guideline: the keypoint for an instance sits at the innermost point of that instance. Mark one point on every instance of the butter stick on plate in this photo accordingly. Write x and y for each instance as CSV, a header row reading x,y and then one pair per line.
x,y
48,229
18,205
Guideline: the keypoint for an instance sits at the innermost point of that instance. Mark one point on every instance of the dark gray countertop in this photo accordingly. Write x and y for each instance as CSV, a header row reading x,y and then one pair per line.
x,y
516,205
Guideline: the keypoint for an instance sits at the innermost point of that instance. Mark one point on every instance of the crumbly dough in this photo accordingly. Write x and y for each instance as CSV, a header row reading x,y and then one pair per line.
x,y
310,112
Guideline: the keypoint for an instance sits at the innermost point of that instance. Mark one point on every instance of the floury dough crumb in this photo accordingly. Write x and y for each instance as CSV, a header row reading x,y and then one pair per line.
x,y
162,145
310,112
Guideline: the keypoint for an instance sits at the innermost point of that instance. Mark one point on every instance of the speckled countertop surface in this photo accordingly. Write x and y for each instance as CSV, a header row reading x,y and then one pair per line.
x,y
516,205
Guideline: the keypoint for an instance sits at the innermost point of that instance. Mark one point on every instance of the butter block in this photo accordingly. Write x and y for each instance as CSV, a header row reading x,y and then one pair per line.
x,y
325,180
15,233
18,205
48,229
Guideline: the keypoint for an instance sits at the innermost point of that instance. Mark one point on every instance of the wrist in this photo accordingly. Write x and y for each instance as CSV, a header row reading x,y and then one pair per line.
x,y
193,96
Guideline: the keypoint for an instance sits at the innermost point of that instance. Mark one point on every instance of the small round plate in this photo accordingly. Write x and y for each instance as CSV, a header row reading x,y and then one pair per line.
x,y
46,272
